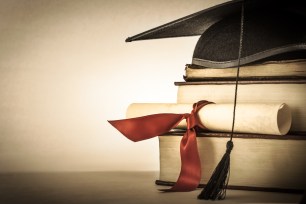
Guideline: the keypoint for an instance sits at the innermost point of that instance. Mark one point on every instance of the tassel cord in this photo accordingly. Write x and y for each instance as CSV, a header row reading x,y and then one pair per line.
x,y
238,68
229,149
217,184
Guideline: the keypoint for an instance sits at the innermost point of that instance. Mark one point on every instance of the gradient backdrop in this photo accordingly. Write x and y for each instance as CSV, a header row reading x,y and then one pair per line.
x,y
65,70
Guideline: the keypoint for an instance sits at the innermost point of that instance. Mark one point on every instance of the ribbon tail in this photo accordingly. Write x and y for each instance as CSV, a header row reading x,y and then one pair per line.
x,y
146,127
190,174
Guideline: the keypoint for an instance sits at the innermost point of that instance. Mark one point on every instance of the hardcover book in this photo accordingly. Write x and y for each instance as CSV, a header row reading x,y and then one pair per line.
x,y
261,162
289,91
265,70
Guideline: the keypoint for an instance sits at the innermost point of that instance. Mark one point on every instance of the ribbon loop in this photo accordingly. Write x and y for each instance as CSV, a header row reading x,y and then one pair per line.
x,y
191,121
141,128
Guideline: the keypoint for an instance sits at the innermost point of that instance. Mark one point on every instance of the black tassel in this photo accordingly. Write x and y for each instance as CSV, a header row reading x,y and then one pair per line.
x,y
216,186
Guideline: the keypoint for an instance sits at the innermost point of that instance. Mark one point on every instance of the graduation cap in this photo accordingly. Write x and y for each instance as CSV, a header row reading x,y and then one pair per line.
x,y
238,33
273,30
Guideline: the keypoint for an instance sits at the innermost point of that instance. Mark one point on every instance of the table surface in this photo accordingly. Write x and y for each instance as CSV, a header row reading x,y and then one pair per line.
x,y
111,187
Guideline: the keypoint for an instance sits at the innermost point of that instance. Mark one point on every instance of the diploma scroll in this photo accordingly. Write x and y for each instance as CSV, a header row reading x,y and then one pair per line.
x,y
274,119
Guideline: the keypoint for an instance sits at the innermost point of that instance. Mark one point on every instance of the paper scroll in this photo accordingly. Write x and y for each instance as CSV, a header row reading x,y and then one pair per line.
x,y
274,119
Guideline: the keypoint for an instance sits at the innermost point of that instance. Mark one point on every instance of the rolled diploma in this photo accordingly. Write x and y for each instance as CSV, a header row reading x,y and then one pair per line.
x,y
274,119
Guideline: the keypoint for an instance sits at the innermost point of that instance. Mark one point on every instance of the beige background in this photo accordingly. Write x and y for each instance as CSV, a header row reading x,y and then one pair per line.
x,y
65,70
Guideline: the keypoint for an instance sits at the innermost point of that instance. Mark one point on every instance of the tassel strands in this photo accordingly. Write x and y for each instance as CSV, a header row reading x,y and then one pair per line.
x,y
217,184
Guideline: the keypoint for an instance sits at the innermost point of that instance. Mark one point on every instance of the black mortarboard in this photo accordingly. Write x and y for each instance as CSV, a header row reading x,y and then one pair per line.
x,y
274,30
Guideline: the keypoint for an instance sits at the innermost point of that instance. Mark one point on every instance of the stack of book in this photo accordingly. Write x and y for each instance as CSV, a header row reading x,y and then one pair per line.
x,y
272,71
258,162
269,82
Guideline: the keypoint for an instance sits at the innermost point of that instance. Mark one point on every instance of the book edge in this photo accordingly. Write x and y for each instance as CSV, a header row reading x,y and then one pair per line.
x,y
290,136
245,188
256,80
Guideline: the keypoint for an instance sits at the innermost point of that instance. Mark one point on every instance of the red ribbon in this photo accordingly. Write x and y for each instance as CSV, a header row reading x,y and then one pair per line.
x,y
142,128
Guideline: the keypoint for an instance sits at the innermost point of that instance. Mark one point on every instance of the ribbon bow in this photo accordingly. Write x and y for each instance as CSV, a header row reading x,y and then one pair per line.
x,y
146,127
